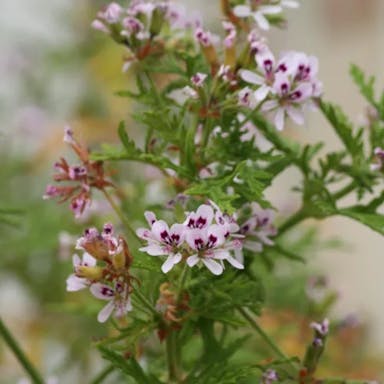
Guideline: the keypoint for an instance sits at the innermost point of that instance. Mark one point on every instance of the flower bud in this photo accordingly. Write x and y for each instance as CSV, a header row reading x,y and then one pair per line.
x,y
91,273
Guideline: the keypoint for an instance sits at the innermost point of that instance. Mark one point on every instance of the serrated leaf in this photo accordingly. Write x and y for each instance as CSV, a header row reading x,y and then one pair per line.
x,y
128,143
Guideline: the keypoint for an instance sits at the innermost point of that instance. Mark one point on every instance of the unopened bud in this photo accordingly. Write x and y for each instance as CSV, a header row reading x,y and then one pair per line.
x,y
91,273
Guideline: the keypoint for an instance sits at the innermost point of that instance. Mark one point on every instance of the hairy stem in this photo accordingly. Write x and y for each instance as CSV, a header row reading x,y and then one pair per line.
x,y
20,355
172,357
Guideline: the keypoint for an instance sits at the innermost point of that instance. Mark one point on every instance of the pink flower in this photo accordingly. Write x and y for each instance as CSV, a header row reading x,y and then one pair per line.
x,y
198,79
322,328
117,296
379,159
230,29
164,241
111,13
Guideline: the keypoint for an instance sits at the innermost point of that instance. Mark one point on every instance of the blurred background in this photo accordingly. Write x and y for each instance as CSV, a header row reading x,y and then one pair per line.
x,y
54,69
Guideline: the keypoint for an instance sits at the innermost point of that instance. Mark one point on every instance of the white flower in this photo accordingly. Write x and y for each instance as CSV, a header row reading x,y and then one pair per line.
x,y
198,79
200,219
163,241
117,297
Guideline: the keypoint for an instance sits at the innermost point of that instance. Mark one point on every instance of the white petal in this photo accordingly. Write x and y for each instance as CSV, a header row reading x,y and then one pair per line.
x,y
221,254
268,105
102,291
235,263
179,230
170,262
144,233
88,260
262,93
104,314
261,21
192,260
218,232
239,256
242,11
251,77
154,249
213,266
290,3
279,119
76,261
296,115
75,283
270,9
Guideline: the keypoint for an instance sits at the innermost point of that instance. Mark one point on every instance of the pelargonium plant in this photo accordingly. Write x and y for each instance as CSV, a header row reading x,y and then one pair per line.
x,y
180,285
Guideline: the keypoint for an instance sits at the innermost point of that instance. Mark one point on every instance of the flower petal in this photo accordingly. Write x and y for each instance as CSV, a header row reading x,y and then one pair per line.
x,y
192,260
251,77
88,260
75,283
170,262
279,119
104,314
160,230
235,263
262,93
242,10
154,249
261,21
102,291
215,267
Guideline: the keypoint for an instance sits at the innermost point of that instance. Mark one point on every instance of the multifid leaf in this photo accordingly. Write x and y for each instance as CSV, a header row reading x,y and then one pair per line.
x,y
129,366
344,129
374,221
366,85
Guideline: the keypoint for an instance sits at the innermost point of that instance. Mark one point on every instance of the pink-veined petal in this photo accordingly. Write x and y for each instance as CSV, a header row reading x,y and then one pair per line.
x,y
76,261
204,215
217,232
104,314
196,238
192,260
221,254
178,233
242,10
150,217
302,92
144,233
239,256
160,230
253,246
251,77
102,291
215,267
295,114
279,119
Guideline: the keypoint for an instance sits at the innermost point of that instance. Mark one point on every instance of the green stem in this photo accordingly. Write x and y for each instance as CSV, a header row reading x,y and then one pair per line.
x,y
264,336
120,214
145,302
183,279
103,375
20,355
173,367
344,191
296,218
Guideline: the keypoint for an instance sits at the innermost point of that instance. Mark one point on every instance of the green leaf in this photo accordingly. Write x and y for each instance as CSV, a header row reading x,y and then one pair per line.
x,y
128,366
128,143
344,129
374,221
365,84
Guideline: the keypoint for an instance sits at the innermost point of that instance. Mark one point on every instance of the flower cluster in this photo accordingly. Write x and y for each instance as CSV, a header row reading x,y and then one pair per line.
x,y
104,269
283,86
79,178
138,25
207,237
